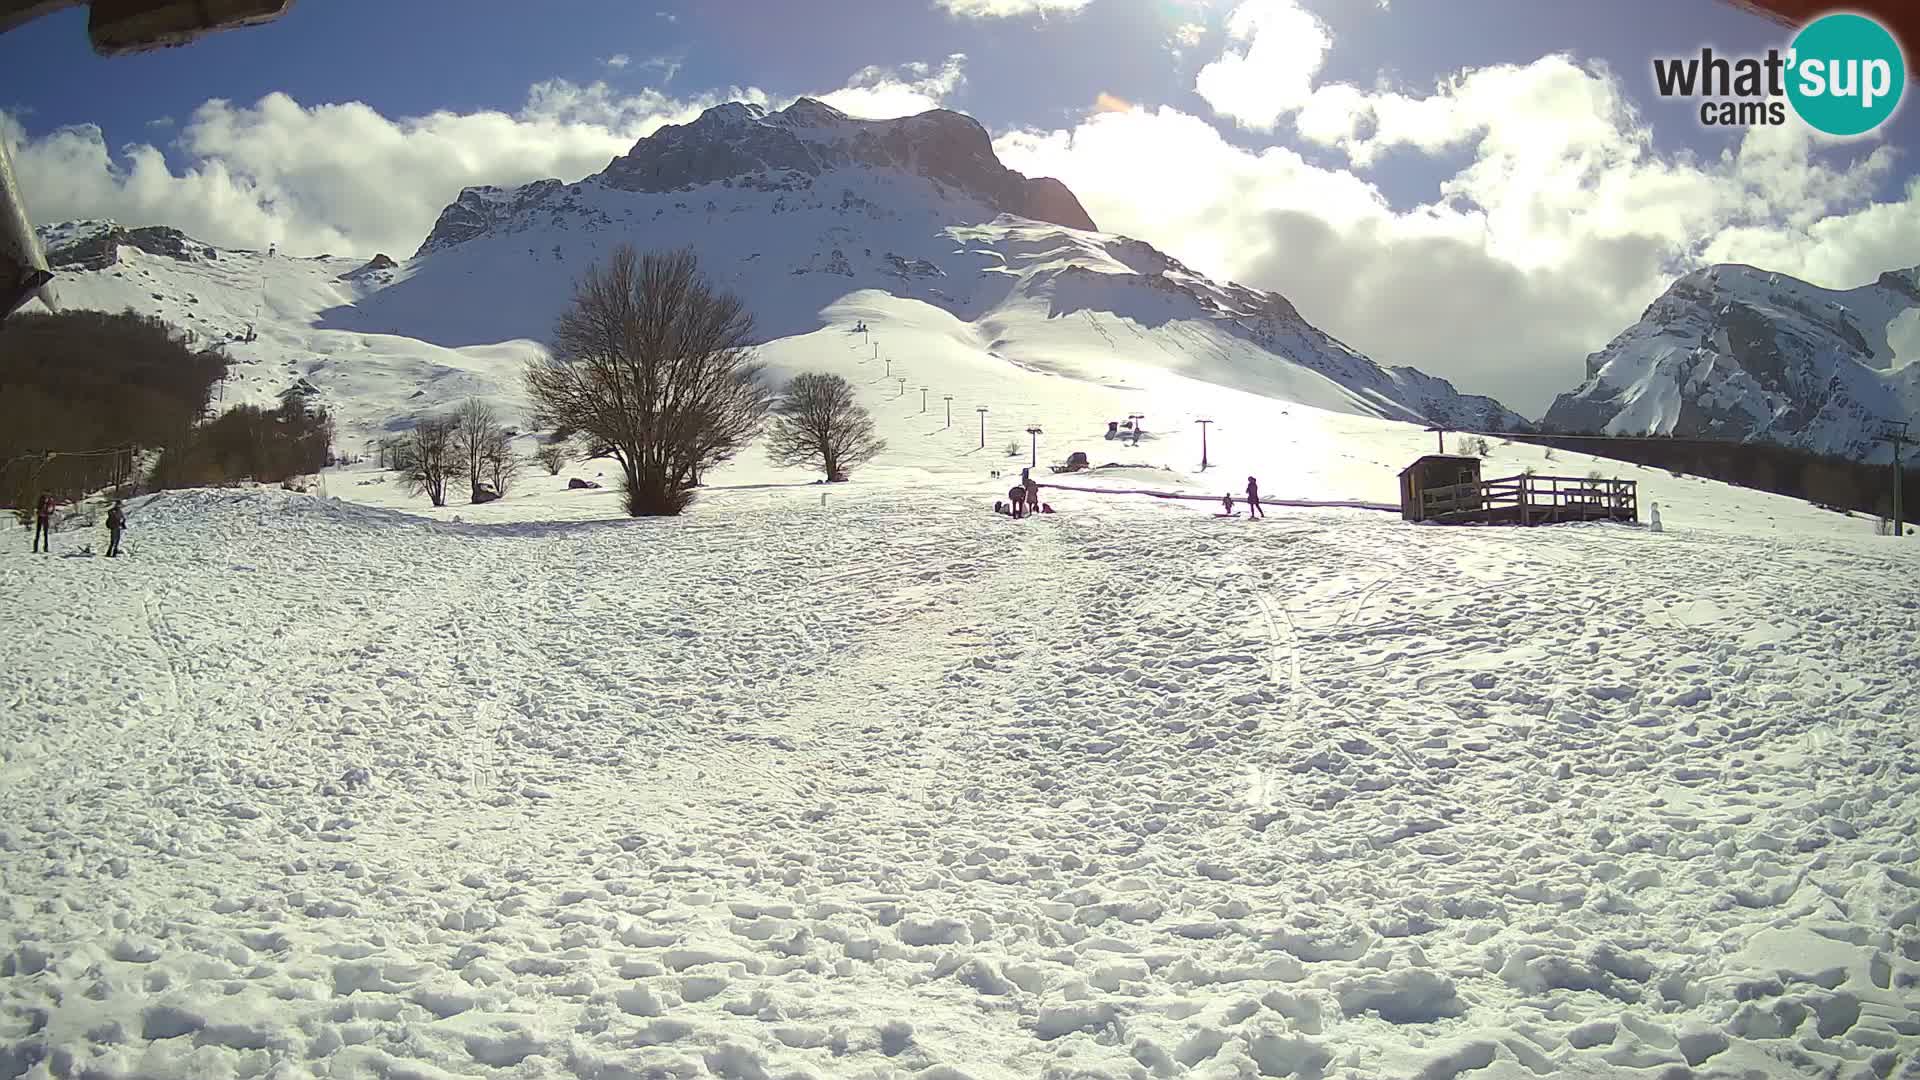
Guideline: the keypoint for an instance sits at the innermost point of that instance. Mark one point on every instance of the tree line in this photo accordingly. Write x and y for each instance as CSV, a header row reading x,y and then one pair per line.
x,y
652,366
85,393
1822,479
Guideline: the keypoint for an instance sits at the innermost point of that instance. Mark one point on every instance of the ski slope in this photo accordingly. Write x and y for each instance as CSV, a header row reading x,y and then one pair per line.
x,y
863,780
884,784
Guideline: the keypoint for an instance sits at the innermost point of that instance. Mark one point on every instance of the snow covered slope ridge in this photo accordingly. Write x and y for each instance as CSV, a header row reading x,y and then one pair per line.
x,y
1732,351
786,150
798,211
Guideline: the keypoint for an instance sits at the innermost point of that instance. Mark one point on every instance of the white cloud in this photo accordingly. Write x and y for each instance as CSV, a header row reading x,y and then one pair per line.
x,y
1187,35
1561,227
333,178
1001,9
878,93
618,60
343,178
1278,49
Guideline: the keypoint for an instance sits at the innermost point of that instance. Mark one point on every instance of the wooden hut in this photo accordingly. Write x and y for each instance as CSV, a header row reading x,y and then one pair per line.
x,y
1439,484
1447,489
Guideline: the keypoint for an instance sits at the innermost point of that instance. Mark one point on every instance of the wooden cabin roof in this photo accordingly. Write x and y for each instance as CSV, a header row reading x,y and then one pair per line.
x,y
1440,457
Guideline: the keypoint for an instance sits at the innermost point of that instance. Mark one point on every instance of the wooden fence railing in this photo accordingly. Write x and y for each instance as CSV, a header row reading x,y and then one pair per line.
x,y
1532,500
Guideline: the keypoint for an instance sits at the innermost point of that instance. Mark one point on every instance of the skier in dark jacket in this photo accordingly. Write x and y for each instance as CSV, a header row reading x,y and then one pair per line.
x,y
116,524
1016,500
1253,499
43,525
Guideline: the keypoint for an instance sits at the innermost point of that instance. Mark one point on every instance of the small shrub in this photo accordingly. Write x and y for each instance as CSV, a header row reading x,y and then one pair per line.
x,y
553,456
1013,449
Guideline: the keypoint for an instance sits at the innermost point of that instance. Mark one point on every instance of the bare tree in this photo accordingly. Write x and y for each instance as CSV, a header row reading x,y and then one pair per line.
x,y
817,424
554,456
655,364
498,459
478,429
431,458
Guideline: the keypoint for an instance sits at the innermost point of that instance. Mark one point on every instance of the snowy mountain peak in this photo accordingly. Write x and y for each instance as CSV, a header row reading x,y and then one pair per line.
x,y
789,150
96,244
1735,351
741,146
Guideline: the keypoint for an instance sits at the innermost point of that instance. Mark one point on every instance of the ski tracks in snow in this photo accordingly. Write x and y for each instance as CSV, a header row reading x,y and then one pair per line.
x,y
903,788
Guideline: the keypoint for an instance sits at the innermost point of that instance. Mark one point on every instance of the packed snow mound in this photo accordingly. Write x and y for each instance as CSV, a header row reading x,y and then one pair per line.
x,y
1732,351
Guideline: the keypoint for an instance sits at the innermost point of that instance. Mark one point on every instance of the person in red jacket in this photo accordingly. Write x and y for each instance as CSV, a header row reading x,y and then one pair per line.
x,y
43,525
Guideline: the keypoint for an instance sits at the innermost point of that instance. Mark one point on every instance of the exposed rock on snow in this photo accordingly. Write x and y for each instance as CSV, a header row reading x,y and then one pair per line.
x,y
745,144
1732,351
373,267
95,245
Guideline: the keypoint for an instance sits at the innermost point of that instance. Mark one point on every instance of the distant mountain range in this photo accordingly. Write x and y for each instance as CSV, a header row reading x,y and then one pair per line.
x,y
1735,352
797,209
800,208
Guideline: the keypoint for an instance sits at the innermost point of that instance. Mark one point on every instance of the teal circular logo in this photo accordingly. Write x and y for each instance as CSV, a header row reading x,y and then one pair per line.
x,y
1845,74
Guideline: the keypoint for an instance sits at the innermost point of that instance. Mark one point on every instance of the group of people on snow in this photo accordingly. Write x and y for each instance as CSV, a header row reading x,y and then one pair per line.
x,y
1253,501
43,526
1024,498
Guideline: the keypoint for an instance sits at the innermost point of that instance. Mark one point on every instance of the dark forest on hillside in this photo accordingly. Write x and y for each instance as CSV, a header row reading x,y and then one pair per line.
x,y
82,381
1820,479
82,391
247,441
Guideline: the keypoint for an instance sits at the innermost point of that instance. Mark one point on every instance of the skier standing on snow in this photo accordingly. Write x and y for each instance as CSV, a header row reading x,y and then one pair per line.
x,y
43,525
116,524
1226,503
1016,496
1253,499
1032,488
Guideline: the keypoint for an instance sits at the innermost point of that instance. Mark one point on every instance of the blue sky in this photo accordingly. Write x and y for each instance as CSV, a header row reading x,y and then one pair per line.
x,y
413,58
1514,219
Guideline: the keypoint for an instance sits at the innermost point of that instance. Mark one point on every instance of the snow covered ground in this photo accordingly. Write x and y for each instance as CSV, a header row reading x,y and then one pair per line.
x,y
862,780
892,786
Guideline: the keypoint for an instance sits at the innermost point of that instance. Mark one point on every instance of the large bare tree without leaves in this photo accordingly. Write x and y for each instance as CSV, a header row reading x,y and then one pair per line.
x,y
498,460
818,424
481,443
656,364
430,458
